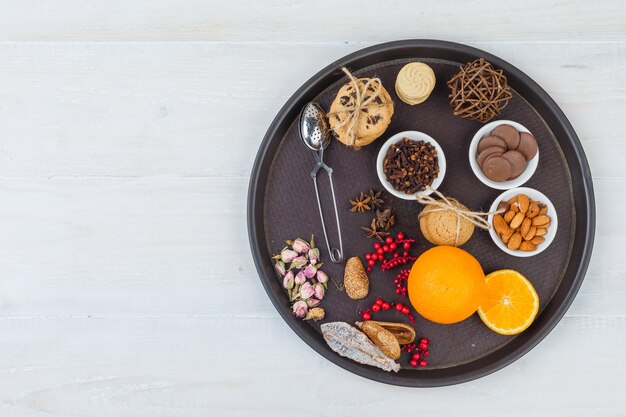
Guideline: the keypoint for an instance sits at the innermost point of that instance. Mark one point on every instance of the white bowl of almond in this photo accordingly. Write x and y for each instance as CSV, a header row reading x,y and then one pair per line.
x,y
526,223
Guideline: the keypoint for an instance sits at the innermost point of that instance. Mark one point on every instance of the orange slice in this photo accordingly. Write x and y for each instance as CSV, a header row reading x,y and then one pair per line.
x,y
511,302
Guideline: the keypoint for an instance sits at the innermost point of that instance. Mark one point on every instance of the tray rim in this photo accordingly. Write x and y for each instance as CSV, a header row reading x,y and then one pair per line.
x,y
582,187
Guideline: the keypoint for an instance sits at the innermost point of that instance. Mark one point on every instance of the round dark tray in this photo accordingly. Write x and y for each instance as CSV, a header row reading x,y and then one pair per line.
x,y
281,205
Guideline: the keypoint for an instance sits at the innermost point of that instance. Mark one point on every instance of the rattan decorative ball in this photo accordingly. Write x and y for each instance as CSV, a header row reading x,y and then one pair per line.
x,y
479,91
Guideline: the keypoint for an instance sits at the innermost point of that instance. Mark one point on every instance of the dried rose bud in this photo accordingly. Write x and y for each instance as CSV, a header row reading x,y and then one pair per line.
x,y
312,302
310,271
300,246
320,291
287,255
300,278
315,314
299,262
322,277
314,255
280,268
300,309
288,280
306,291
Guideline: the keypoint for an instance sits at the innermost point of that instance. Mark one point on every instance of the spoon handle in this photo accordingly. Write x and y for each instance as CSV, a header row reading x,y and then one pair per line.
x,y
336,255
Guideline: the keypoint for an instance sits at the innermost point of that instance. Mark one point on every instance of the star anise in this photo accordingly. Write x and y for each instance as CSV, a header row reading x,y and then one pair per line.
x,y
361,203
385,219
375,199
373,232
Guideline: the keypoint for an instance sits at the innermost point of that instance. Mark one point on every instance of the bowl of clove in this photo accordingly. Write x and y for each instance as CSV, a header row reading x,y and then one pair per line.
x,y
411,163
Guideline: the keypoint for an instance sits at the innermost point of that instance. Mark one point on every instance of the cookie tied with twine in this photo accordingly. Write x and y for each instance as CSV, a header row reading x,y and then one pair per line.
x,y
361,111
445,221
479,91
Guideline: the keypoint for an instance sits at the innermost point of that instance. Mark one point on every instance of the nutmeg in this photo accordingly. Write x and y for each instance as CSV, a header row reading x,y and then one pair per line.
x,y
355,279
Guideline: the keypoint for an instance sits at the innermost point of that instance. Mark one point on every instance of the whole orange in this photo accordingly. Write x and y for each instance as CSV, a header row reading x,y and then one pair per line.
x,y
446,284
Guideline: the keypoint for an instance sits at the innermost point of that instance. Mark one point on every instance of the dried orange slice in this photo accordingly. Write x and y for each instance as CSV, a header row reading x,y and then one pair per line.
x,y
511,302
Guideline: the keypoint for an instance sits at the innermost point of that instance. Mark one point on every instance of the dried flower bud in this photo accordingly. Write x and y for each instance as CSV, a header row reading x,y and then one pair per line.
x,y
322,277
312,302
310,271
315,314
300,309
288,280
299,262
314,255
300,278
287,255
320,291
306,291
280,268
300,246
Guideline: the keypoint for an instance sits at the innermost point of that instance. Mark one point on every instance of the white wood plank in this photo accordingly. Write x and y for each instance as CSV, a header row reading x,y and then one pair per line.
x,y
200,109
160,367
303,21
117,247
127,286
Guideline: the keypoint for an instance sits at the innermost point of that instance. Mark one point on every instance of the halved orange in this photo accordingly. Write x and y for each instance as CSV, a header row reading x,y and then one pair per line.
x,y
511,303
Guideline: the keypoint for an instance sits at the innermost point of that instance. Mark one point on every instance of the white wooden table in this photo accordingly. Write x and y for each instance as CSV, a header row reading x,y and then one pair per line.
x,y
127,134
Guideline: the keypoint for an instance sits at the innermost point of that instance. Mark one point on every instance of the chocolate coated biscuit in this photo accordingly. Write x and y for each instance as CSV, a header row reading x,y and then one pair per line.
x,y
497,169
489,141
509,134
494,150
518,163
527,145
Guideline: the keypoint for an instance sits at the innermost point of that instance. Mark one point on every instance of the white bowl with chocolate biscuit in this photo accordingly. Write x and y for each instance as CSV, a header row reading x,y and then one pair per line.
x,y
539,231
414,137
503,154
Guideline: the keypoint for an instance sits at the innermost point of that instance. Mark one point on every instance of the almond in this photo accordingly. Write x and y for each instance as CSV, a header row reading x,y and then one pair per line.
x,y
527,247
517,221
515,241
507,235
355,279
508,216
541,231
525,227
499,224
533,210
541,220
531,233
537,240
524,202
